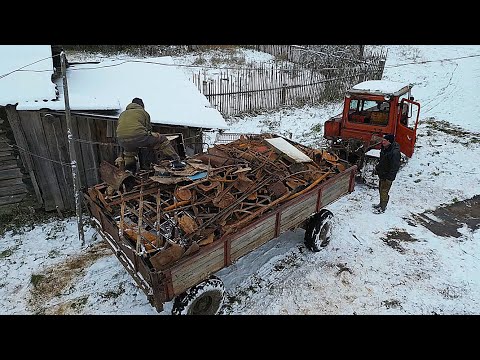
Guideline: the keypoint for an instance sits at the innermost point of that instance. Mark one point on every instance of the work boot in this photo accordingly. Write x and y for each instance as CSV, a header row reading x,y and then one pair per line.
x,y
130,159
178,165
376,206
378,210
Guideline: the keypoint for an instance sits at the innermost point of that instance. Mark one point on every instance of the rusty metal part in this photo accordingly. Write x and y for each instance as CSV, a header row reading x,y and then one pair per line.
x,y
112,175
176,214
278,188
208,185
187,224
183,194
243,182
223,200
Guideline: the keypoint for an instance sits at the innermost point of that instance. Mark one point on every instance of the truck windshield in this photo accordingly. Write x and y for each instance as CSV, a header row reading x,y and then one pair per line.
x,y
368,111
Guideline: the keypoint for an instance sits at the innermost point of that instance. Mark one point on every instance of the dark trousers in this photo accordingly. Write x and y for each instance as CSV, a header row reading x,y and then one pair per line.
x,y
384,188
159,146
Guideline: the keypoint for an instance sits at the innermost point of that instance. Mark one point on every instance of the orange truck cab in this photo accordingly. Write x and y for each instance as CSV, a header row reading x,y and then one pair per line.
x,y
375,108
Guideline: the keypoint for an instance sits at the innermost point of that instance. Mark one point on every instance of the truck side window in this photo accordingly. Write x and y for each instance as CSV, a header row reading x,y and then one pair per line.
x,y
355,113
404,114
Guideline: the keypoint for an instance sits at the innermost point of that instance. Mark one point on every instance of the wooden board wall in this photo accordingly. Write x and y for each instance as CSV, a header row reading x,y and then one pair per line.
x,y
44,137
12,188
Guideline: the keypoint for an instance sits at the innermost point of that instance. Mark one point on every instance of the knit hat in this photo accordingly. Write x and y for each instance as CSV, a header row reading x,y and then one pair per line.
x,y
389,137
138,101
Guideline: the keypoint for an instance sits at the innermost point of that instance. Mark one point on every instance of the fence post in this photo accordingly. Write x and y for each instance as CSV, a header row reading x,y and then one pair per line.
x,y
284,93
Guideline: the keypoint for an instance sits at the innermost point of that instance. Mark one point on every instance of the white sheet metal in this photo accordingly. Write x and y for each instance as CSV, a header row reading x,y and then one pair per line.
x,y
288,149
373,153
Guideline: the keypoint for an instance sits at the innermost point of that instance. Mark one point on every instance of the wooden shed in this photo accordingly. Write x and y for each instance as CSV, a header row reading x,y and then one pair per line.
x,y
42,139
97,95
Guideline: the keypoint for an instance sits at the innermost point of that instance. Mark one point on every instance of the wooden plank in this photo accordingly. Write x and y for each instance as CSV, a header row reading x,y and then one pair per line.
x,y
32,129
247,236
11,182
11,199
40,141
296,214
90,163
11,164
8,159
13,190
56,140
259,241
4,154
15,125
185,277
100,133
4,144
64,155
253,238
10,174
76,120
335,190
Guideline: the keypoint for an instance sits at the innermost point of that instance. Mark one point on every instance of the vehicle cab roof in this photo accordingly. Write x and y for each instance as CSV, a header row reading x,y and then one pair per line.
x,y
381,87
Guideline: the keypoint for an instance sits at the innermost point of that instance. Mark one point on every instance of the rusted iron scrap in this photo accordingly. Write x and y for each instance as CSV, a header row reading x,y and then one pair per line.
x,y
169,214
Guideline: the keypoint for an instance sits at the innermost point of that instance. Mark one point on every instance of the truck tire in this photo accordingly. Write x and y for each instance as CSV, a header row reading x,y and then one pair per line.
x,y
318,231
205,298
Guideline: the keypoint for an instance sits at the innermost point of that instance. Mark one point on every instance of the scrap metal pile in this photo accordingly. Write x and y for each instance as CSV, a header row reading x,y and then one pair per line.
x,y
167,214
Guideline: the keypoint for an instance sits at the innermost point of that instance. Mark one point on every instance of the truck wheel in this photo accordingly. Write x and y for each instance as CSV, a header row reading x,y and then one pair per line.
x,y
205,298
319,230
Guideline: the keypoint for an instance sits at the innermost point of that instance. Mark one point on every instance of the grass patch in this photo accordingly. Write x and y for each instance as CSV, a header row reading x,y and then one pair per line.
x,y
6,253
79,303
448,128
113,294
36,279
20,218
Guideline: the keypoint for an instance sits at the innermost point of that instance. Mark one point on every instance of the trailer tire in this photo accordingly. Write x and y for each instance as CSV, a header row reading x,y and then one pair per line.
x,y
205,298
318,231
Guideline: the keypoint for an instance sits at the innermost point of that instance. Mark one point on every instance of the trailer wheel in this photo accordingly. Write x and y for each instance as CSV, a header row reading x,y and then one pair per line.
x,y
205,298
319,229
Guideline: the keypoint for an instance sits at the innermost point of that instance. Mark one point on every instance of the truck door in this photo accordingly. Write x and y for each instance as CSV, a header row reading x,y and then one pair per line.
x,y
407,122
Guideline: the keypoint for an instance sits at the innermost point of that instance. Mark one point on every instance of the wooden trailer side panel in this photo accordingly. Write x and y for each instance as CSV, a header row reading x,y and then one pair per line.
x,y
253,237
137,268
294,215
193,270
334,190
197,268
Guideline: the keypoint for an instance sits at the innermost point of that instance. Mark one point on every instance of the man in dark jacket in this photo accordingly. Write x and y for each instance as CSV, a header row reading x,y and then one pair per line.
x,y
134,130
387,169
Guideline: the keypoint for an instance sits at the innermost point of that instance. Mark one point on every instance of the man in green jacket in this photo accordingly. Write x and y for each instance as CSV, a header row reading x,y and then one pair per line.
x,y
134,130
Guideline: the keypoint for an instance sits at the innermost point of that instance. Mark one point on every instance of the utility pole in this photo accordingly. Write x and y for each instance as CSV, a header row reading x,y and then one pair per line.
x,y
71,148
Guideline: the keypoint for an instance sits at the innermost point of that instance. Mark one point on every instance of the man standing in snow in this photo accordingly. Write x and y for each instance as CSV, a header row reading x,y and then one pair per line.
x,y
134,130
387,169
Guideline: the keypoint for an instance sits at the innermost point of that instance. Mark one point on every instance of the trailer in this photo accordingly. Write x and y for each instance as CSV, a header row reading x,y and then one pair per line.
x,y
209,238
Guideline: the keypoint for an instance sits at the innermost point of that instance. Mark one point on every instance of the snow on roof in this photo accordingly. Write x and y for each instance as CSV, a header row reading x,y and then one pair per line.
x,y
25,73
169,97
382,87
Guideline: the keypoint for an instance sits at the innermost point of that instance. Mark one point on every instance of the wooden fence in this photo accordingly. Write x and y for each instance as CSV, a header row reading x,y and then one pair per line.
x,y
268,87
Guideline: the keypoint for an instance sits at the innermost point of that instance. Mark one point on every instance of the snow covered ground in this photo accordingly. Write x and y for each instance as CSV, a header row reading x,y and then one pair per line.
x,y
405,261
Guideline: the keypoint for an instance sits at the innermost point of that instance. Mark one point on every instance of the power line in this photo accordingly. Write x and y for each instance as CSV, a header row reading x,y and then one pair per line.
x,y
430,61
11,72
214,67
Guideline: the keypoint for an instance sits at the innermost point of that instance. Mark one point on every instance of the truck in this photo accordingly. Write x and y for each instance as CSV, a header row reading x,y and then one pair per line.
x,y
173,230
372,109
